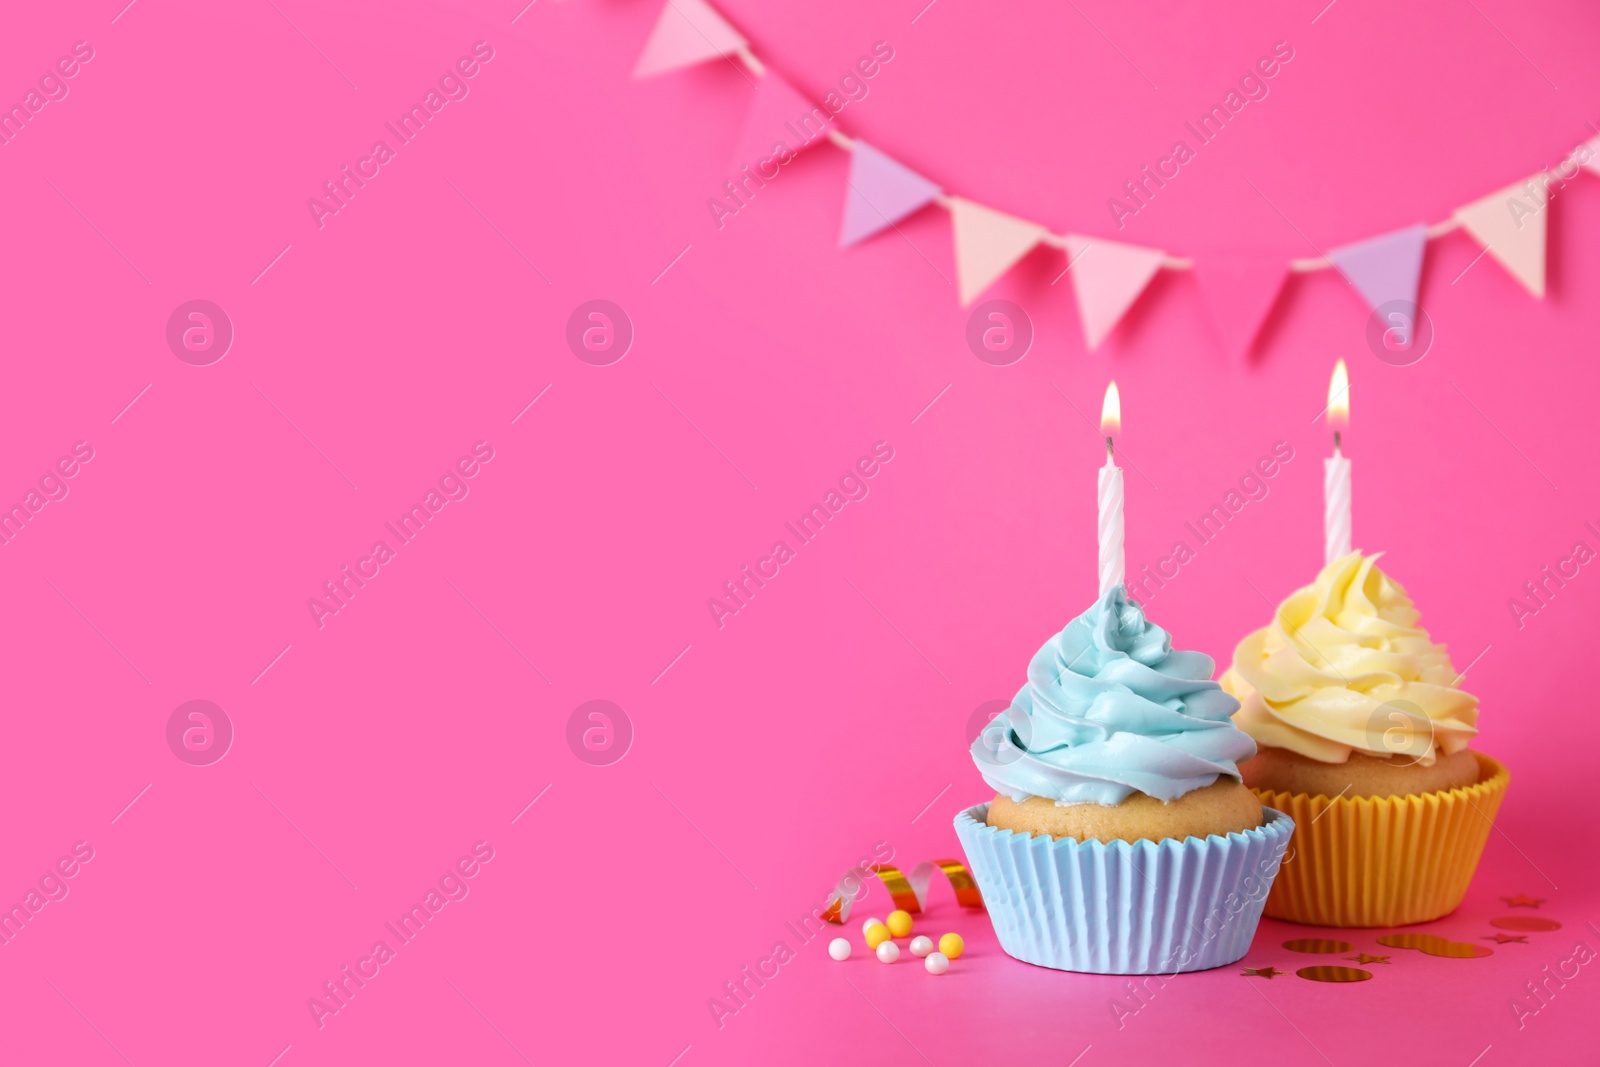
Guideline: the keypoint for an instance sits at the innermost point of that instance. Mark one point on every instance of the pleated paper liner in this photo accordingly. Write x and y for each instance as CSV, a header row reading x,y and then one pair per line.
x,y
1146,907
1383,861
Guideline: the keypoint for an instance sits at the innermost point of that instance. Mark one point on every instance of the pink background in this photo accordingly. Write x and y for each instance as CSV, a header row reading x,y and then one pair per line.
x,y
828,714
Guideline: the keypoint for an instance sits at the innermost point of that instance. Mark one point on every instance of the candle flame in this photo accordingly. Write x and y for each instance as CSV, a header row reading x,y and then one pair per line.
x,y
1339,397
1111,412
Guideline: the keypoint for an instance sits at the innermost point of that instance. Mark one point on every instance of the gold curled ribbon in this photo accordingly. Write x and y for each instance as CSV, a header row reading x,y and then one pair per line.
x,y
909,891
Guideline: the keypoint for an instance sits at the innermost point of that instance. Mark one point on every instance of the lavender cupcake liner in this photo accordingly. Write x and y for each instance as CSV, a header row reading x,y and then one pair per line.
x,y
1145,907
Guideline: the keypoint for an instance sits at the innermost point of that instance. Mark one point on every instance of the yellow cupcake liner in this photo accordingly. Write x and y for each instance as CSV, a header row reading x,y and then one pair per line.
x,y
1383,861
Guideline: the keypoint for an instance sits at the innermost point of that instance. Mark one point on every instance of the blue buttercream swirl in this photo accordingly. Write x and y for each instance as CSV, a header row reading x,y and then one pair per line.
x,y
1111,709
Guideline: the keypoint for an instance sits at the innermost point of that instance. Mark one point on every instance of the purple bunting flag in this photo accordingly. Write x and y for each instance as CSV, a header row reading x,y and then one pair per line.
x,y
1384,268
882,192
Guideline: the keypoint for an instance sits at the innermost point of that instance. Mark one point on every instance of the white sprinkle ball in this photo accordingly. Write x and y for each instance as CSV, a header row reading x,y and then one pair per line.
x,y
937,963
839,948
888,952
921,946
868,923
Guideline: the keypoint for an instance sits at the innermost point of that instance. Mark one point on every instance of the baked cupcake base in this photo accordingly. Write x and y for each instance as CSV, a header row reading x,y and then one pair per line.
x,y
1223,807
1278,770
1120,907
1383,861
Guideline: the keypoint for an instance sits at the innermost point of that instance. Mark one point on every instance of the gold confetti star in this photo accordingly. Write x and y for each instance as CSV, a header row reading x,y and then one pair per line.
x,y
1502,939
1522,900
1362,957
1262,972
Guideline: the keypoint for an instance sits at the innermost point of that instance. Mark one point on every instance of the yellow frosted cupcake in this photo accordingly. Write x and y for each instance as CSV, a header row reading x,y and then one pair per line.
x,y
1362,740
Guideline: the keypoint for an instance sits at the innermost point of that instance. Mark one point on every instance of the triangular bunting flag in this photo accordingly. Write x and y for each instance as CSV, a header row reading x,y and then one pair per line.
x,y
1107,277
881,192
1384,268
988,243
1239,292
780,122
1511,225
688,32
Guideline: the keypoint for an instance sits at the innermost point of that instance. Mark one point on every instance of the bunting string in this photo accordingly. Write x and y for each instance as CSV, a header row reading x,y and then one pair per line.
x,y
839,139
1239,291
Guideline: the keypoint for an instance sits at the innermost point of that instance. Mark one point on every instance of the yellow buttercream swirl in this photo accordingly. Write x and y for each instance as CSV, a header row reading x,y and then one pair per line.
x,y
1344,668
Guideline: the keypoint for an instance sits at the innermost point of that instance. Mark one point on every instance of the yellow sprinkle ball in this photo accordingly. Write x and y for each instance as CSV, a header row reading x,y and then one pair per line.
x,y
900,923
877,934
952,946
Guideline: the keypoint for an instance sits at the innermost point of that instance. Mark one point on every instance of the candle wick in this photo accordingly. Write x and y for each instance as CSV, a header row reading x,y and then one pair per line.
x,y
1337,443
1111,451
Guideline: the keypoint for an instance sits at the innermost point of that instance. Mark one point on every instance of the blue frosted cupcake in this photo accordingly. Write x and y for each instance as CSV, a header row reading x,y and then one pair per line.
x,y
1120,839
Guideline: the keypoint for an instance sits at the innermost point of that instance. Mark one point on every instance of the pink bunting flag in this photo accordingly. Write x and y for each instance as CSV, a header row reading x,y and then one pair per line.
x,y
988,243
1510,224
1107,277
1384,268
881,193
1239,291
688,32
779,124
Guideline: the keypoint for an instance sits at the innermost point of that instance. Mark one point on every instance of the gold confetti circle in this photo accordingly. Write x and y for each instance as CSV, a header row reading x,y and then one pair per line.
x,y
1334,974
1459,950
1525,922
1422,941
1318,946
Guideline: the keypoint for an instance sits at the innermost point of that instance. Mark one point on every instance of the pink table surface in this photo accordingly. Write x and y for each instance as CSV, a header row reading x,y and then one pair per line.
x,y
372,752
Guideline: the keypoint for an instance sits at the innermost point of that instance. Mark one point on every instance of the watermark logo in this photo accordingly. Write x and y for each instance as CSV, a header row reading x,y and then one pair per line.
x,y
1256,885
1138,191
453,886
738,992
981,717
52,486
199,332
199,733
796,134
1399,333
740,591
51,888
340,192
1538,592
1252,487
999,332
599,332
1542,989
599,733
52,88
340,591
993,749
1400,728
